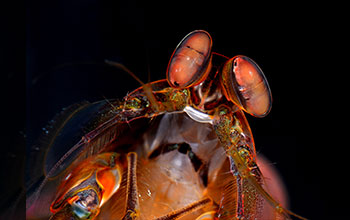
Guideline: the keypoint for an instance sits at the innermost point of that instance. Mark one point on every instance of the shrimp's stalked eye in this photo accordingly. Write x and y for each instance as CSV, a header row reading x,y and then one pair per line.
x,y
245,84
190,62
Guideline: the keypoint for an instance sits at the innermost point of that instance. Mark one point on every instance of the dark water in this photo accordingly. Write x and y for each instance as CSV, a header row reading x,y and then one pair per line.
x,y
66,43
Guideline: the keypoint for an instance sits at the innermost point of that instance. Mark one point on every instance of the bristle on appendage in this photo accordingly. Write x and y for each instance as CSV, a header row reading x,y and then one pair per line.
x,y
285,212
132,200
186,210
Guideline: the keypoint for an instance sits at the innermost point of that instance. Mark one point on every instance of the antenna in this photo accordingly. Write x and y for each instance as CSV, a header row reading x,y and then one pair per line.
x,y
146,87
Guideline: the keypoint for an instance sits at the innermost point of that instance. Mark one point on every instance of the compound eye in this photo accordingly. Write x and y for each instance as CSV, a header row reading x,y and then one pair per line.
x,y
246,86
190,63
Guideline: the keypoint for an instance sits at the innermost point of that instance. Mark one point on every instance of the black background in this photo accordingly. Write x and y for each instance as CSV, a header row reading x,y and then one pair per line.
x,y
66,43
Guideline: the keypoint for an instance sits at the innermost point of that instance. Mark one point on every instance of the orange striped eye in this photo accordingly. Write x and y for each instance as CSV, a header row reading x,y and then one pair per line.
x,y
190,62
246,86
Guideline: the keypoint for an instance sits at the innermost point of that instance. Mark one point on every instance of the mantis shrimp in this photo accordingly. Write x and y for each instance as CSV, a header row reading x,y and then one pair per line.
x,y
174,148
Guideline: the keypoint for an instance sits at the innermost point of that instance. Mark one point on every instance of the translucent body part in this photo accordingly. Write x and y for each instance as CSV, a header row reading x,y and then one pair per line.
x,y
246,85
171,181
190,62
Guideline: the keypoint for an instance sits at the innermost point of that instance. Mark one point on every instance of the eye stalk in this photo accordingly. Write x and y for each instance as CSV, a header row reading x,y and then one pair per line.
x,y
244,84
191,60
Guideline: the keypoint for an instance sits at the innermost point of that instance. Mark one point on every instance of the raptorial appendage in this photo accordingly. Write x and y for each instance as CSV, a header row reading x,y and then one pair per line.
x,y
234,134
87,187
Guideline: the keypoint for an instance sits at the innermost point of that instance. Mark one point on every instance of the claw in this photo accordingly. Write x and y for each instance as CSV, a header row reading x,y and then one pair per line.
x,y
87,188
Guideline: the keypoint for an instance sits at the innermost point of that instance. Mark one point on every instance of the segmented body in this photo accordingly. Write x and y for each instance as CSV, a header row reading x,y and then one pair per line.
x,y
206,98
230,126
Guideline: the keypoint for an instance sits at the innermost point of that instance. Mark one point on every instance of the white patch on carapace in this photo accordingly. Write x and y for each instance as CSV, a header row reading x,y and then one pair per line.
x,y
198,116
